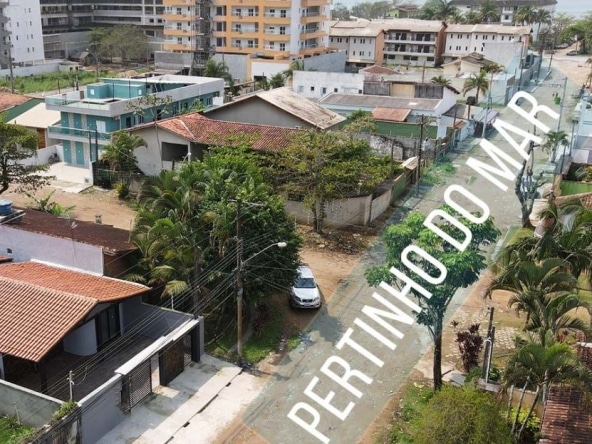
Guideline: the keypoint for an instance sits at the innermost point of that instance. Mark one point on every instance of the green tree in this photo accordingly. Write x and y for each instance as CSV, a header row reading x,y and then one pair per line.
x,y
440,80
437,10
124,41
462,415
489,11
553,140
322,166
18,143
525,15
463,269
472,17
476,82
340,12
277,81
371,10
541,17
218,70
120,154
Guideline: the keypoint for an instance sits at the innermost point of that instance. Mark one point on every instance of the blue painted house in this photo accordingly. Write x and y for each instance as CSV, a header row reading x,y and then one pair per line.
x,y
89,116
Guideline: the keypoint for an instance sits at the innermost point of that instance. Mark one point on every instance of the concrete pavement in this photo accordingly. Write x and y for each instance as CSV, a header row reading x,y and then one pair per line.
x,y
301,368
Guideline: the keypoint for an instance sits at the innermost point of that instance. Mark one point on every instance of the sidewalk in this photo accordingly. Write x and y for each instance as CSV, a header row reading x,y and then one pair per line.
x,y
195,407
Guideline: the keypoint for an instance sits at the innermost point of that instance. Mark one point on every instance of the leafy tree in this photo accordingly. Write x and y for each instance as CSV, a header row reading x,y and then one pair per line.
x,y
561,22
277,81
18,143
124,41
218,70
477,82
463,269
553,140
437,10
371,10
525,15
120,154
322,166
489,11
472,17
186,232
462,415
440,80
46,205
340,12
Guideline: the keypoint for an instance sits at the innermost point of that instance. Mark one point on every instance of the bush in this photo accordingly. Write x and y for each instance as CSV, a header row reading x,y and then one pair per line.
x,y
470,344
532,431
122,190
64,409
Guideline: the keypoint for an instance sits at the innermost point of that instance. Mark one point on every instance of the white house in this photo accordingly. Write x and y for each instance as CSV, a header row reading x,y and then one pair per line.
x,y
314,84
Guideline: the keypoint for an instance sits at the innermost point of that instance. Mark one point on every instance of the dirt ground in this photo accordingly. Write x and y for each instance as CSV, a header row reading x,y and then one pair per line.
x,y
574,67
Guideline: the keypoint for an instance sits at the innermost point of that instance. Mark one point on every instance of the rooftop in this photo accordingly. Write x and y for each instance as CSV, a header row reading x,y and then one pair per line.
x,y
109,238
200,129
371,101
37,117
410,24
390,114
358,28
41,304
501,3
485,28
568,417
376,69
8,100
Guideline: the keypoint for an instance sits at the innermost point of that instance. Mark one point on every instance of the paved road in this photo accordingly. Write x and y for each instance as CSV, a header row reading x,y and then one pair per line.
x,y
268,415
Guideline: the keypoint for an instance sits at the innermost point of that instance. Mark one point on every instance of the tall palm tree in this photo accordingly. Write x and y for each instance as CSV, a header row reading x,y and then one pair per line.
x,y
476,82
456,17
472,17
440,80
277,81
438,10
119,153
296,65
489,11
217,69
525,15
553,140
541,16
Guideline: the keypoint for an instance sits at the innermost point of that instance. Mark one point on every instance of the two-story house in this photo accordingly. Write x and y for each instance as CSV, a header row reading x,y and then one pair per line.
x,y
89,116
362,41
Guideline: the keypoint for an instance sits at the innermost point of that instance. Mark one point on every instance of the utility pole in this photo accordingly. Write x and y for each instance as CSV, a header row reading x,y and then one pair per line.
x,y
239,284
561,104
419,147
488,347
10,66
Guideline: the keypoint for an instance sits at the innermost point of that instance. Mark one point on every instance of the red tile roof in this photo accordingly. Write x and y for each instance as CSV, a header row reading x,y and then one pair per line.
x,y
200,129
390,114
568,417
106,236
5,259
378,70
8,100
41,304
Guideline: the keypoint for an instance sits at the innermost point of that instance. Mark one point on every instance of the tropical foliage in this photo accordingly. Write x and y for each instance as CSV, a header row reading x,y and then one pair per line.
x,y
120,154
463,269
123,41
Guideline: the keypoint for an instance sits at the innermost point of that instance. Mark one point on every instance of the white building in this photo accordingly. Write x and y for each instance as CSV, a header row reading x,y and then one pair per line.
x,y
23,26
362,41
504,45
314,84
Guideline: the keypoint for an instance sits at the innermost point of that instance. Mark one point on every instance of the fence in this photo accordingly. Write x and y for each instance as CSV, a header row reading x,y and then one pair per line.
x,y
66,430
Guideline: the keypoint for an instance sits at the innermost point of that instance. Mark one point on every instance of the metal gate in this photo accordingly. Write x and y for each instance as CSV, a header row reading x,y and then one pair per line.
x,y
136,386
171,362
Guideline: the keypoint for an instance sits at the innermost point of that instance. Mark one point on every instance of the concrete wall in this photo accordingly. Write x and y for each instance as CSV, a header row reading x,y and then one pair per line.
x,y
34,409
149,158
31,70
162,320
26,245
172,60
82,341
237,65
100,410
315,84
330,62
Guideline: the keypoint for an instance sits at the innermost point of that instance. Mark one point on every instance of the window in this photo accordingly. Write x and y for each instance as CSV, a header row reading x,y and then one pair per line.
x,y
502,38
331,39
324,90
283,13
354,41
361,53
251,43
282,30
179,12
312,89
300,88
353,53
179,26
251,12
506,17
179,40
363,41
107,324
282,46
450,48
334,90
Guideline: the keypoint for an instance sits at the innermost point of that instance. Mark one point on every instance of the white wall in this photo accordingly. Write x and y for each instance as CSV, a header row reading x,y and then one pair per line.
x,y
26,245
268,69
324,83
82,341
24,25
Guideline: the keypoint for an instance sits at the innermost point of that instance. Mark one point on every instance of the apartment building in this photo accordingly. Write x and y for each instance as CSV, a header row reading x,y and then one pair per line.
x,y
413,42
21,37
362,41
505,45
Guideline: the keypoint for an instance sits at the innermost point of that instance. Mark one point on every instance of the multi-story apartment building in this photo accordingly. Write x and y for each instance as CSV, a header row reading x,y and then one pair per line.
x,y
501,44
88,117
271,28
507,9
20,34
362,41
413,41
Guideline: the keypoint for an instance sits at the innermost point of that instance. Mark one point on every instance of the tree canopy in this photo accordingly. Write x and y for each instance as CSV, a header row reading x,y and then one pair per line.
x,y
124,41
18,143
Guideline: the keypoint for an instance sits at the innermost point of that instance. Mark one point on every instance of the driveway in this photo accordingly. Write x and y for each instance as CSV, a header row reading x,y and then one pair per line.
x,y
268,414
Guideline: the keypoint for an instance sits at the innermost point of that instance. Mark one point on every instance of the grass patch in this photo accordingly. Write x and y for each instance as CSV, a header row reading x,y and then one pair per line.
x,y
50,81
437,173
569,187
11,432
414,399
268,329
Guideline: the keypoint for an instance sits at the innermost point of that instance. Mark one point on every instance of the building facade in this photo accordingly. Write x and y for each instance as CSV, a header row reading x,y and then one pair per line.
x,y
362,41
20,36
89,117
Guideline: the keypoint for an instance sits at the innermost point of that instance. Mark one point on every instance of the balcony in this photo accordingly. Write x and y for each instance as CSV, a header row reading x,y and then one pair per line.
x,y
178,2
277,16
244,30
178,32
178,17
78,135
408,39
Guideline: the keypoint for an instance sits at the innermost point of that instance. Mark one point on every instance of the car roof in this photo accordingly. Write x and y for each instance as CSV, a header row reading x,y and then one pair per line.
x,y
305,271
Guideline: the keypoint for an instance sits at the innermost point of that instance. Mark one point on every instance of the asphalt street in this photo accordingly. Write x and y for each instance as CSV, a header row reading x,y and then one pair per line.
x,y
268,414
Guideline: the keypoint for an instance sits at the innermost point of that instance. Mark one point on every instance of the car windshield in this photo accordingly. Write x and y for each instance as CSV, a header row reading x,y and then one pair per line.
x,y
302,282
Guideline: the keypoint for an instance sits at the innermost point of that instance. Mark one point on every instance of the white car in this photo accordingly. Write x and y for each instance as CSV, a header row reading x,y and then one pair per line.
x,y
305,291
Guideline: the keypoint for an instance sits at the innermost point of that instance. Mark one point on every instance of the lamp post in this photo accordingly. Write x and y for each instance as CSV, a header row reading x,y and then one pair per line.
x,y
420,148
240,263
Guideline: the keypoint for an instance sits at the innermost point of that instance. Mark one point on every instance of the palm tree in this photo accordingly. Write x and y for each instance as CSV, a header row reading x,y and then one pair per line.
x,y
553,140
541,16
438,10
217,69
525,15
277,81
119,153
296,65
456,17
542,365
472,17
477,82
440,80
489,11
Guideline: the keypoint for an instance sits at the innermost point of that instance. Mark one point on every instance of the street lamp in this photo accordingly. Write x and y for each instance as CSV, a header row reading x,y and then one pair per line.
x,y
239,293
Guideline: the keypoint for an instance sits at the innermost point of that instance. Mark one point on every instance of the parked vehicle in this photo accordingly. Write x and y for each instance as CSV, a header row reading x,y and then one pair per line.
x,y
572,53
562,46
305,291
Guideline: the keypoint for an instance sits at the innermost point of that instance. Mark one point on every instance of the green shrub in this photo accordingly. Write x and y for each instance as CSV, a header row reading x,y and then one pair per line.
x,y
122,190
64,409
532,431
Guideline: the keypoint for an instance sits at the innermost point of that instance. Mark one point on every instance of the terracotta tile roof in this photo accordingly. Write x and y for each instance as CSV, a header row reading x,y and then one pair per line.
x,y
200,129
106,236
97,288
390,114
8,100
568,418
4,259
41,304
585,199
378,70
